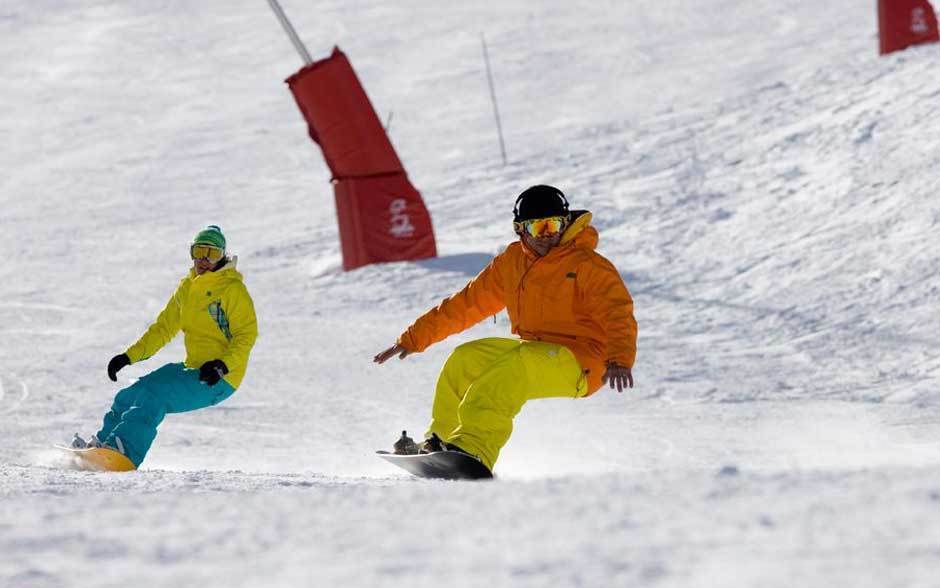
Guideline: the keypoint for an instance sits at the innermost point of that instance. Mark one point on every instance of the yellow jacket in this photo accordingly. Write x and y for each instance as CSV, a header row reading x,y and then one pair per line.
x,y
217,317
572,296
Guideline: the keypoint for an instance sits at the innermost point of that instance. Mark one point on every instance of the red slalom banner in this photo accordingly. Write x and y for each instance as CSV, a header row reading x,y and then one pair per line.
x,y
902,23
382,217
341,120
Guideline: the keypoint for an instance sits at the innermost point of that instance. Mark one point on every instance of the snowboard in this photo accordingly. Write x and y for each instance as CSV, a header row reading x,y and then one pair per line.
x,y
447,465
98,459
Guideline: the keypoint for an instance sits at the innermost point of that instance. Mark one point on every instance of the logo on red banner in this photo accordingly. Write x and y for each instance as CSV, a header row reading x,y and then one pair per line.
x,y
919,24
401,226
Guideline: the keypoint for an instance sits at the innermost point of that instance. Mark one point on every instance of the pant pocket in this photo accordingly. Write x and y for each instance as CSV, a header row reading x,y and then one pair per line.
x,y
580,376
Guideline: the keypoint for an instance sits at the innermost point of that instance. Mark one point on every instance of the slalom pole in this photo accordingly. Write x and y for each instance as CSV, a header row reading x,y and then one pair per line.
x,y
289,29
489,77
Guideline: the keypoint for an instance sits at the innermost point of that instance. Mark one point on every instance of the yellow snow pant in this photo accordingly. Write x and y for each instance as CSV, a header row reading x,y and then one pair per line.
x,y
484,384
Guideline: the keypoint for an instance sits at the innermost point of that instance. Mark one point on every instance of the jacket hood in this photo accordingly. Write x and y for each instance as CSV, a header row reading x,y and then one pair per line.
x,y
580,230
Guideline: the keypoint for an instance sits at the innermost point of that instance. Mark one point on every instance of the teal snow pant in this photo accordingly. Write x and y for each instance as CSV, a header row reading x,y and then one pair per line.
x,y
139,409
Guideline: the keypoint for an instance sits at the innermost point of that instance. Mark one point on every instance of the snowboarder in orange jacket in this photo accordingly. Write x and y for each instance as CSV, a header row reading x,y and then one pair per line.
x,y
566,302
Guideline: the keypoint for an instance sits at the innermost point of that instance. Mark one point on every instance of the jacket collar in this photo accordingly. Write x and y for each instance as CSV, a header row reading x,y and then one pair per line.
x,y
227,270
580,220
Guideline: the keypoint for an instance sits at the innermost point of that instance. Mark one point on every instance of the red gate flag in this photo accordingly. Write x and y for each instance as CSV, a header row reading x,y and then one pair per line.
x,y
382,217
902,23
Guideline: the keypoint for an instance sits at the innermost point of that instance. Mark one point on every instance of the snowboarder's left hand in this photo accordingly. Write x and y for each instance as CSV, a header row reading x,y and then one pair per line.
x,y
212,371
394,349
619,376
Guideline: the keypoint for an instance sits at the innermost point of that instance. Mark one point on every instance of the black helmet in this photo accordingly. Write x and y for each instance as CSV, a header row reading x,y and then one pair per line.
x,y
539,202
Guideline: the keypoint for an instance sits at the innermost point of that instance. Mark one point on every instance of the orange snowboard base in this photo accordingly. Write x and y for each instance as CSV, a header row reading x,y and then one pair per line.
x,y
98,459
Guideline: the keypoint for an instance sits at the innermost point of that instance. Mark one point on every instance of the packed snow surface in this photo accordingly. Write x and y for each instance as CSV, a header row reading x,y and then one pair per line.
x,y
763,180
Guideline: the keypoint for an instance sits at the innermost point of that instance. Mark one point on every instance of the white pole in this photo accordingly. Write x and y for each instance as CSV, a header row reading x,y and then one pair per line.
x,y
289,29
489,77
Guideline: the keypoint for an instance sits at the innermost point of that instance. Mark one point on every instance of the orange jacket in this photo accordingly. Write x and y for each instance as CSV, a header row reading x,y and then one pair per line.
x,y
572,296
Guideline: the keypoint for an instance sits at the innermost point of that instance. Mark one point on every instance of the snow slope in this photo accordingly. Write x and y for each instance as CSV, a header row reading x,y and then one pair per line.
x,y
763,180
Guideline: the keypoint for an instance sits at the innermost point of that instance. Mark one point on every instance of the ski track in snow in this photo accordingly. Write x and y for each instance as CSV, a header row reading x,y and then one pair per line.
x,y
764,181
10,405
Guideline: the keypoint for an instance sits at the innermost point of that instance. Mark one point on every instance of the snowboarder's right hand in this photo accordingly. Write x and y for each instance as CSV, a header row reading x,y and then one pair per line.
x,y
619,376
212,371
117,363
394,349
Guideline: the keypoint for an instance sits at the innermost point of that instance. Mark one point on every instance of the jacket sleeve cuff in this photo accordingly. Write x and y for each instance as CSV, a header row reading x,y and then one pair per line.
x,y
407,342
621,360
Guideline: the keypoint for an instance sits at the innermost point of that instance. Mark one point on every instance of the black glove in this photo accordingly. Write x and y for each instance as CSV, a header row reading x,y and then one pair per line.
x,y
212,371
117,363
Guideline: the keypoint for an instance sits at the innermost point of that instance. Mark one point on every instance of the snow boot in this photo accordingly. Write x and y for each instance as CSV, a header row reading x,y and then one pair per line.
x,y
79,443
405,445
432,444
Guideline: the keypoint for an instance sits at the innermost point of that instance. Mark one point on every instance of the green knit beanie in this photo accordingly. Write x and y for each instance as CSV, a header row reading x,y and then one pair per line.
x,y
211,235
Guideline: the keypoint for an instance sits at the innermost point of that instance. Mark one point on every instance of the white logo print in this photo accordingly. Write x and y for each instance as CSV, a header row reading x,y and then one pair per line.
x,y
919,21
401,223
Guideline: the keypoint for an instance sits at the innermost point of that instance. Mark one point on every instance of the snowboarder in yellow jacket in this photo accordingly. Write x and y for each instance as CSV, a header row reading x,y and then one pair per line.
x,y
212,307
566,302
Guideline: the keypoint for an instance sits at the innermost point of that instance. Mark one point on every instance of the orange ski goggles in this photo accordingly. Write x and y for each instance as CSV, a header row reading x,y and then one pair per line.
x,y
541,227
200,251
